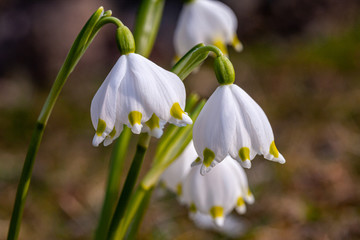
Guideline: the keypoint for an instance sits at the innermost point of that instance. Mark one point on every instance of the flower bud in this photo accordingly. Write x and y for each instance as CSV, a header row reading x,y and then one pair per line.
x,y
125,40
224,70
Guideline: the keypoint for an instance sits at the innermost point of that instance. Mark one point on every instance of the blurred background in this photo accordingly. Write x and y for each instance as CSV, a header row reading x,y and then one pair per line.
x,y
301,63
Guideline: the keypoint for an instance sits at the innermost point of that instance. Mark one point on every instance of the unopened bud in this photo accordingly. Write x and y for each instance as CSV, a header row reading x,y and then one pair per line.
x,y
125,40
224,70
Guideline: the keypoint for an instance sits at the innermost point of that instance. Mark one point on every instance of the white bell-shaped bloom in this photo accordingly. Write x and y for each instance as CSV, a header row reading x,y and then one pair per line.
x,y
139,94
174,175
218,192
208,22
232,123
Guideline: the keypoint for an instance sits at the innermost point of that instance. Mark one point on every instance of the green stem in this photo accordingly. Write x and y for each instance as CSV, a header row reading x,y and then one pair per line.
x,y
77,50
24,183
113,183
140,213
129,185
131,211
213,49
147,25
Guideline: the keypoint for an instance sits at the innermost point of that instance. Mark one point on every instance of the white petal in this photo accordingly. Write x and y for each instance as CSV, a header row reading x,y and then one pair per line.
x,y
241,209
279,159
175,173
222,19
219,221
136,128
249,198
205,170
218,188
257,125
215,126
204,22
118,129
97,140
150,89
130,95
103,105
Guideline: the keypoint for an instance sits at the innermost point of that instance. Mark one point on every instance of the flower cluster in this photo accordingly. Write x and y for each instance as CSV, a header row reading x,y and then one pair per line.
x,y
229,132
215,194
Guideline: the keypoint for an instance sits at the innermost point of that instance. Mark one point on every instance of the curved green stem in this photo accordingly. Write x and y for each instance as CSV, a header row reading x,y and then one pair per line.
x,y
193,58
109,19
129,185
212,48
77,50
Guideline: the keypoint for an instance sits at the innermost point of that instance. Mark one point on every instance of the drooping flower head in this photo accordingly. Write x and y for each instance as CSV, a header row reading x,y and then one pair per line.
x,y
208,22
232,123
217,193
139,94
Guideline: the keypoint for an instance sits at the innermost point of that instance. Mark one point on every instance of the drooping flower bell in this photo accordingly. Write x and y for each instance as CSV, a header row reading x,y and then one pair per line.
x,y
173,176
218,192
232,123
137,93
208,22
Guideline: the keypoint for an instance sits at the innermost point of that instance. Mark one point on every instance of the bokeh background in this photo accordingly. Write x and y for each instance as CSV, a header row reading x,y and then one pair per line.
x,y
301,63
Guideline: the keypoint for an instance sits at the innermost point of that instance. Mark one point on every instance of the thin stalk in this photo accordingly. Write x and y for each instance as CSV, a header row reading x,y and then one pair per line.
x,y
129,184
147,25
136,200
77,50
24,183
113,183
140,213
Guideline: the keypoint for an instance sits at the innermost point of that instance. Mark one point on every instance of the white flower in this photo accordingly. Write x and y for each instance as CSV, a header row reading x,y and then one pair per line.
x,y
232,123
135,92
208,22
218,192
173,176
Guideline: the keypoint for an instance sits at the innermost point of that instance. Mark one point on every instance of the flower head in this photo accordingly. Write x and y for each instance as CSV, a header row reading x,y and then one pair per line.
x,y
208,22
139,94
232,123
219,192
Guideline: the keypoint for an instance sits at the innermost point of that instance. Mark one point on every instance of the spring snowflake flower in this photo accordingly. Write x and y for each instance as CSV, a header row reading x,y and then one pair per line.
x,y
173,176
139,94
232,123
208,22
218,192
